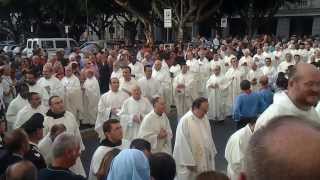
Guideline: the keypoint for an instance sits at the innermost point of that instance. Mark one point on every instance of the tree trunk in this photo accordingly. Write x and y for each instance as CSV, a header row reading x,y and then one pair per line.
x,y
149,33
180,33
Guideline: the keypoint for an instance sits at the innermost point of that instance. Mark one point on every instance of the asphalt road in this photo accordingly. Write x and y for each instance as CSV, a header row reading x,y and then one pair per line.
x,y
221,133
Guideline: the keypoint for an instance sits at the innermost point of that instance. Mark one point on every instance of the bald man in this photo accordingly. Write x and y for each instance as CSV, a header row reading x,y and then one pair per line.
x,y
132,112
274,153
302,95
21,170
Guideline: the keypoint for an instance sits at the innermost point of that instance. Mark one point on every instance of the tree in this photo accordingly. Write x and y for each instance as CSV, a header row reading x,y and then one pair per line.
x,y
185,11
142,10
253,13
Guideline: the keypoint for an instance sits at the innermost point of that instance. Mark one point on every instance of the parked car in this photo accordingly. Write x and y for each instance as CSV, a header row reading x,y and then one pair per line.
x,y
51,45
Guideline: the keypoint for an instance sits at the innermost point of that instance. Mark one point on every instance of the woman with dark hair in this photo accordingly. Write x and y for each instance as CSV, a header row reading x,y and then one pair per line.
x,y
162,166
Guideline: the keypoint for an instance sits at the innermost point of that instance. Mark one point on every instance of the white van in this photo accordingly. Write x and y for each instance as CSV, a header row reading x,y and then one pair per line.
x,y
51,45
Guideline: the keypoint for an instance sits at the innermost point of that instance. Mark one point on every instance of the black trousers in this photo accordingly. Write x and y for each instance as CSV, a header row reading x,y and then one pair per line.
x,y
244,121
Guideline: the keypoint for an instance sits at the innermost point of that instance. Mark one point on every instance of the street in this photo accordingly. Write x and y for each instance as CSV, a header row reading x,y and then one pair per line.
x,y
221,133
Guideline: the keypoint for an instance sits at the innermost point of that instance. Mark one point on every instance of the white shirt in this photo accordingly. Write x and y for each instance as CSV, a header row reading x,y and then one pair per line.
x,y
52,85
150,88
14,107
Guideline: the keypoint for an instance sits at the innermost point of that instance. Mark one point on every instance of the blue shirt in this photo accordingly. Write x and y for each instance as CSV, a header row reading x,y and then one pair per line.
x,y
267,97
247,106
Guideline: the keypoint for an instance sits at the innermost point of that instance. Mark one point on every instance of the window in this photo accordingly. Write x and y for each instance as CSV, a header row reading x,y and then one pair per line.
x,y
29,44
47,44
61,44
35,45
73,44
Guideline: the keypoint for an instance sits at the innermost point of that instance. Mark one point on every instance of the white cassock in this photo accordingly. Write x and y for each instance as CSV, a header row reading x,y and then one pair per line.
x,y
194,69
163,76
73,94
270,72
98,156
283,66
234,78
215,63
184,97
137,70
26,112
204,76
52,85
194,146
150,128
175,70
72,127
91,98
14,107
248,60
150,88
235,151
217,97
131,108
281,106
117,74
108,101
254,75
42,92
45,145
127,86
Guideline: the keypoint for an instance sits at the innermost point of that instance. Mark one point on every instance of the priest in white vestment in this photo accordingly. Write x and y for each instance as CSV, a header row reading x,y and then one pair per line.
x,y
194,69
204,73
73,93
246,59
216,86
127,82
91,97
117,71
34,106
302,95
58,115
185,90
269,70
136,68
113,140
236,149
283,66
150,87
155,128
50,83
16,105
234,76
194,149
133,110
109,105
163,76
31,80
253,76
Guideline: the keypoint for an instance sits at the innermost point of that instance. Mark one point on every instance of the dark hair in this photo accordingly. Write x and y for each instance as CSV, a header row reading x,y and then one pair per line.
x,y
197,103
155,100
260,160
292,72
147,66
126,67
162,166
245,85
32,94
21,86
25,171
107,124
50,99
32,72
282,81
16,139
140,144
212,175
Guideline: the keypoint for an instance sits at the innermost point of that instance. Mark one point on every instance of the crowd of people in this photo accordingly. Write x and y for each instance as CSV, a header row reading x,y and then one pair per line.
x,y
269,87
